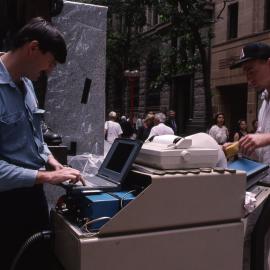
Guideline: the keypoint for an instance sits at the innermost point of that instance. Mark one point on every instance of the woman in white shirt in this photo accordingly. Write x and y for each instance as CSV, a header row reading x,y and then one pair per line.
x,y
219,131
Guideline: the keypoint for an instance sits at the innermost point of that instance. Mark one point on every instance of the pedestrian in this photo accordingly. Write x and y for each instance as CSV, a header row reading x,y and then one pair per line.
x,y
240,131
144,131
126,127
37,48
159,126
254,126
255,62
112,129
171,122
219,131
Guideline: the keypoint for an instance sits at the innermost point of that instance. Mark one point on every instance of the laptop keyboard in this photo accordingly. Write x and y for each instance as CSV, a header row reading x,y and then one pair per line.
x,y
95,181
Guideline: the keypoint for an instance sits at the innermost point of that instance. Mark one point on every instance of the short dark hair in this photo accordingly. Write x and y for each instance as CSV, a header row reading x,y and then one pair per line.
x,y
48,36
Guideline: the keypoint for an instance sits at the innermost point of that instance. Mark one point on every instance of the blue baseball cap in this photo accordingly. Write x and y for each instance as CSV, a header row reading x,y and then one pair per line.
x,y
252,51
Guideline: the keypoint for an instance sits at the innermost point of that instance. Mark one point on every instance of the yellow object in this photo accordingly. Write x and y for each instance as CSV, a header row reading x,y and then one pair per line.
x,y
232,150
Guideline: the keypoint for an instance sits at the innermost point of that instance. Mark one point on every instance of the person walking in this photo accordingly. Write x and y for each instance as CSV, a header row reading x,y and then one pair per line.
x,y
144,131
159,126
112,129
126,127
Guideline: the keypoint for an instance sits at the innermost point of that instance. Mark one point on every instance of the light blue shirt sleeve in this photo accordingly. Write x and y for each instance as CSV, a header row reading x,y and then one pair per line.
x,y
12,176
46,150
22,148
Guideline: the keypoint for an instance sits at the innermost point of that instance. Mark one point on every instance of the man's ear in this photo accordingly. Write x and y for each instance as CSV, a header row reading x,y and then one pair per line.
x,y
33,46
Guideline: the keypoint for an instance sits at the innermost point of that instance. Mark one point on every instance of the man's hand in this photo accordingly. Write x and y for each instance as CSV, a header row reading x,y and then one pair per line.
x,y
225,145
54,164
59,176
250,142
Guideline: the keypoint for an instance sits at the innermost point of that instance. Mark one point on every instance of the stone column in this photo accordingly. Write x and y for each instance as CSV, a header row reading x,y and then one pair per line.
x,y
84,29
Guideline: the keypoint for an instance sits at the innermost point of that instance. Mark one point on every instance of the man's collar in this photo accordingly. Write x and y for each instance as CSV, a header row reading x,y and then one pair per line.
x,y
5,77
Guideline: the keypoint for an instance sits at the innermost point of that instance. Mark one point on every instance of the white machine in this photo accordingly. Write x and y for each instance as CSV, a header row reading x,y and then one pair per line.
x,y
181,219
173,152
177,222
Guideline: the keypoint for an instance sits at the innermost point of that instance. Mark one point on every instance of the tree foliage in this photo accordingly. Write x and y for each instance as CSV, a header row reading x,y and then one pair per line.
x,y
125,45
187,36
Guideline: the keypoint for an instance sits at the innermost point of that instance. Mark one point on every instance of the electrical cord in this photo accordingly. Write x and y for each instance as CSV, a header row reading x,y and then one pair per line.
x,y
88,233
44,235
125,195
121,199
84,227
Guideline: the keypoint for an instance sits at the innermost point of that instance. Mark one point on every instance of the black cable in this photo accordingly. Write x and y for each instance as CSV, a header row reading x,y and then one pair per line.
x,y
44,235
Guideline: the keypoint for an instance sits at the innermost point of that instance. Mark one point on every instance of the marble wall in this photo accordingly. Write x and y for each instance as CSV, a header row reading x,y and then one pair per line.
x,y
84,29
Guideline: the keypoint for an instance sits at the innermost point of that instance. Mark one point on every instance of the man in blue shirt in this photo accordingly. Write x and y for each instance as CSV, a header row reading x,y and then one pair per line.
x,y
37,48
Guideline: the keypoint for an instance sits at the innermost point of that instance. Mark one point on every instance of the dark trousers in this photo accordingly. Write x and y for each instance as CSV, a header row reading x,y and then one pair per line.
x,y
23,212
257,260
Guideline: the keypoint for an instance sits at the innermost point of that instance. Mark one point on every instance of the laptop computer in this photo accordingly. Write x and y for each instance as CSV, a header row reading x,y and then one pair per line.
x,y
113,169
255,171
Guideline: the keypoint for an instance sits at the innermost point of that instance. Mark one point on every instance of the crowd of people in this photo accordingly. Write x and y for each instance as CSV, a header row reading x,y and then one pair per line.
x,y
142,127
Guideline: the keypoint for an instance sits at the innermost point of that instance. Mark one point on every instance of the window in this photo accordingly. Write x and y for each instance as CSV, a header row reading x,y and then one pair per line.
x,y
232,20
267,14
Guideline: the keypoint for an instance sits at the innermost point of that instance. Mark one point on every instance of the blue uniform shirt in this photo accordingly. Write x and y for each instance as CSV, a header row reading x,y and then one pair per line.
x,y
22,149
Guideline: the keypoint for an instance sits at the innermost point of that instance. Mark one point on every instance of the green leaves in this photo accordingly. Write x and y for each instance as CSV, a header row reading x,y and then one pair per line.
x,y
181,38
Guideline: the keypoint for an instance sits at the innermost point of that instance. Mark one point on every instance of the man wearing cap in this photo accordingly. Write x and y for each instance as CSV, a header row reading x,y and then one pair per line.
x,y
255,61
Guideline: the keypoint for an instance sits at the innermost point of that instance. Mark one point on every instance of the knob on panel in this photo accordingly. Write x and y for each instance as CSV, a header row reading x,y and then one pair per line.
x,y
185,155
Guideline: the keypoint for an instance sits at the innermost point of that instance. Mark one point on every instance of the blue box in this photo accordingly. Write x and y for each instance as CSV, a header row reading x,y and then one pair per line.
x,y
124,196
104,205
100,205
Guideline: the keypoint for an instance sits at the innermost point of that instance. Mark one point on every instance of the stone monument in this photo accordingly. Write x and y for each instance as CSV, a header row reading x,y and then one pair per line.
x,y
75,98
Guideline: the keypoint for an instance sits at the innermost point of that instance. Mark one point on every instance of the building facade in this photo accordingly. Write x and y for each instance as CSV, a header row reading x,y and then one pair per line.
x,y
184,93
240,23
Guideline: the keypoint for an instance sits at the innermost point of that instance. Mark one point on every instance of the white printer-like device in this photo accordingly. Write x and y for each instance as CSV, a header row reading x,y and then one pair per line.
x,y
173,152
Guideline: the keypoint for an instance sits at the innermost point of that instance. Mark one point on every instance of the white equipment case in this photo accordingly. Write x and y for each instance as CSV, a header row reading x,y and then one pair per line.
x,y
173,152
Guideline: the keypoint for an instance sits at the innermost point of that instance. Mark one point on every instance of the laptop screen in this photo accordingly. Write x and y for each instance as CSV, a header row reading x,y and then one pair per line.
x,y
119,159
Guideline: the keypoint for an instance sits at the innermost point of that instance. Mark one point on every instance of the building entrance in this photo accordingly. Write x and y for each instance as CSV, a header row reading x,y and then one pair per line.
x,y
181,101
233,102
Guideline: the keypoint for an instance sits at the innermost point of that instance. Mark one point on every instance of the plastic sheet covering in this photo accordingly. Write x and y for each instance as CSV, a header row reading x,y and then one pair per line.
x,y
88,163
